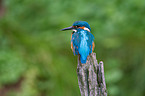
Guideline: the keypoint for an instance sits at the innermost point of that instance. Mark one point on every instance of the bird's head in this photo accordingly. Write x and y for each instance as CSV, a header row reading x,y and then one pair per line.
x,y
79,25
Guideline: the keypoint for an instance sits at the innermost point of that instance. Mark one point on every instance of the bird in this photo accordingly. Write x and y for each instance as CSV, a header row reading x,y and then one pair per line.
x,y
82,40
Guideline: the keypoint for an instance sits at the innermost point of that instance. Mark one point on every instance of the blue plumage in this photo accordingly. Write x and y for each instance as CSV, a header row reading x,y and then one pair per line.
x,y
82,44
82,40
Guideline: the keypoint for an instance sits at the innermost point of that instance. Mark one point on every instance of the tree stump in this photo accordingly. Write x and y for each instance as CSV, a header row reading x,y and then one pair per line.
x,y
91,77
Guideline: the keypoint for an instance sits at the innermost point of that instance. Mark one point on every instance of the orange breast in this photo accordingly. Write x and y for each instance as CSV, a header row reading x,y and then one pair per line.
x,y
93,46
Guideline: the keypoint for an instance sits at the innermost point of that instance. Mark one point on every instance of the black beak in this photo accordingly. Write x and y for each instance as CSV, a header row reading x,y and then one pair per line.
x,y
68,28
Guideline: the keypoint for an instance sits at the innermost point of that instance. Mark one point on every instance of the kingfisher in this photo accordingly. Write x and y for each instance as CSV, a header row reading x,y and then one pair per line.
x,y
82,43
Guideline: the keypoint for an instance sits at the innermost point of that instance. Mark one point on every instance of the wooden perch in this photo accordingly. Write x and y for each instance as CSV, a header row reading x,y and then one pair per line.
x,y
91,78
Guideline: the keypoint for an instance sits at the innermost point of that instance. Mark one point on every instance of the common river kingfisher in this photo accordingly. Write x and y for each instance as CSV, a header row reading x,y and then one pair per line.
x,y
81,40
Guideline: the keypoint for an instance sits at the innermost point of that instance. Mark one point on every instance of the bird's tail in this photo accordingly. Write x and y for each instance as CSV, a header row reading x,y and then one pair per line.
x,y
83,59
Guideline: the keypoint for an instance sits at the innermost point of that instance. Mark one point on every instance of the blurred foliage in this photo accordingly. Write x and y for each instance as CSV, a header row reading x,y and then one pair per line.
x,y
32,46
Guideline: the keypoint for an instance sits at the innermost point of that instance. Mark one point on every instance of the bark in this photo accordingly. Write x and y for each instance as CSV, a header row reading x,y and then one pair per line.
x,y
91,77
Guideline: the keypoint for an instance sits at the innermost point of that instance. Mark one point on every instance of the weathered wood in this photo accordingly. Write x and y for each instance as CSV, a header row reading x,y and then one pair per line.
x,y
91,78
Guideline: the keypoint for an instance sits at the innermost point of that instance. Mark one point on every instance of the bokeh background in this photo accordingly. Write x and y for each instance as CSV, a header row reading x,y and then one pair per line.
x,y
36,58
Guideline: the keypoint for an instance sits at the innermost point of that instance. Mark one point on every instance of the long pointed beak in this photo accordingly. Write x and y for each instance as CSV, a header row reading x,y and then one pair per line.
x,y
68,28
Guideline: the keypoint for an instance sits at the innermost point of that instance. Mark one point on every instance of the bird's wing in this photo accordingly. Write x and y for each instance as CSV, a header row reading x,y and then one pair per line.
x,y
90,42
75,41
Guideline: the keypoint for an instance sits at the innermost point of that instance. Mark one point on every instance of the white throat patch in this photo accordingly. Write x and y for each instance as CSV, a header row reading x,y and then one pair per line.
x,y
84,29
87,29
74,30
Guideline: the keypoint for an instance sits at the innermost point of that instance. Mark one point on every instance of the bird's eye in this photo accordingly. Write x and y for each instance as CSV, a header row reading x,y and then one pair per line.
x,y
78,26
74,26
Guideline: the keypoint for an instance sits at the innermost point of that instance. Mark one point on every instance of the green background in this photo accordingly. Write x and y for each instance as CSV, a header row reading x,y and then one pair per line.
x,y
36,58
